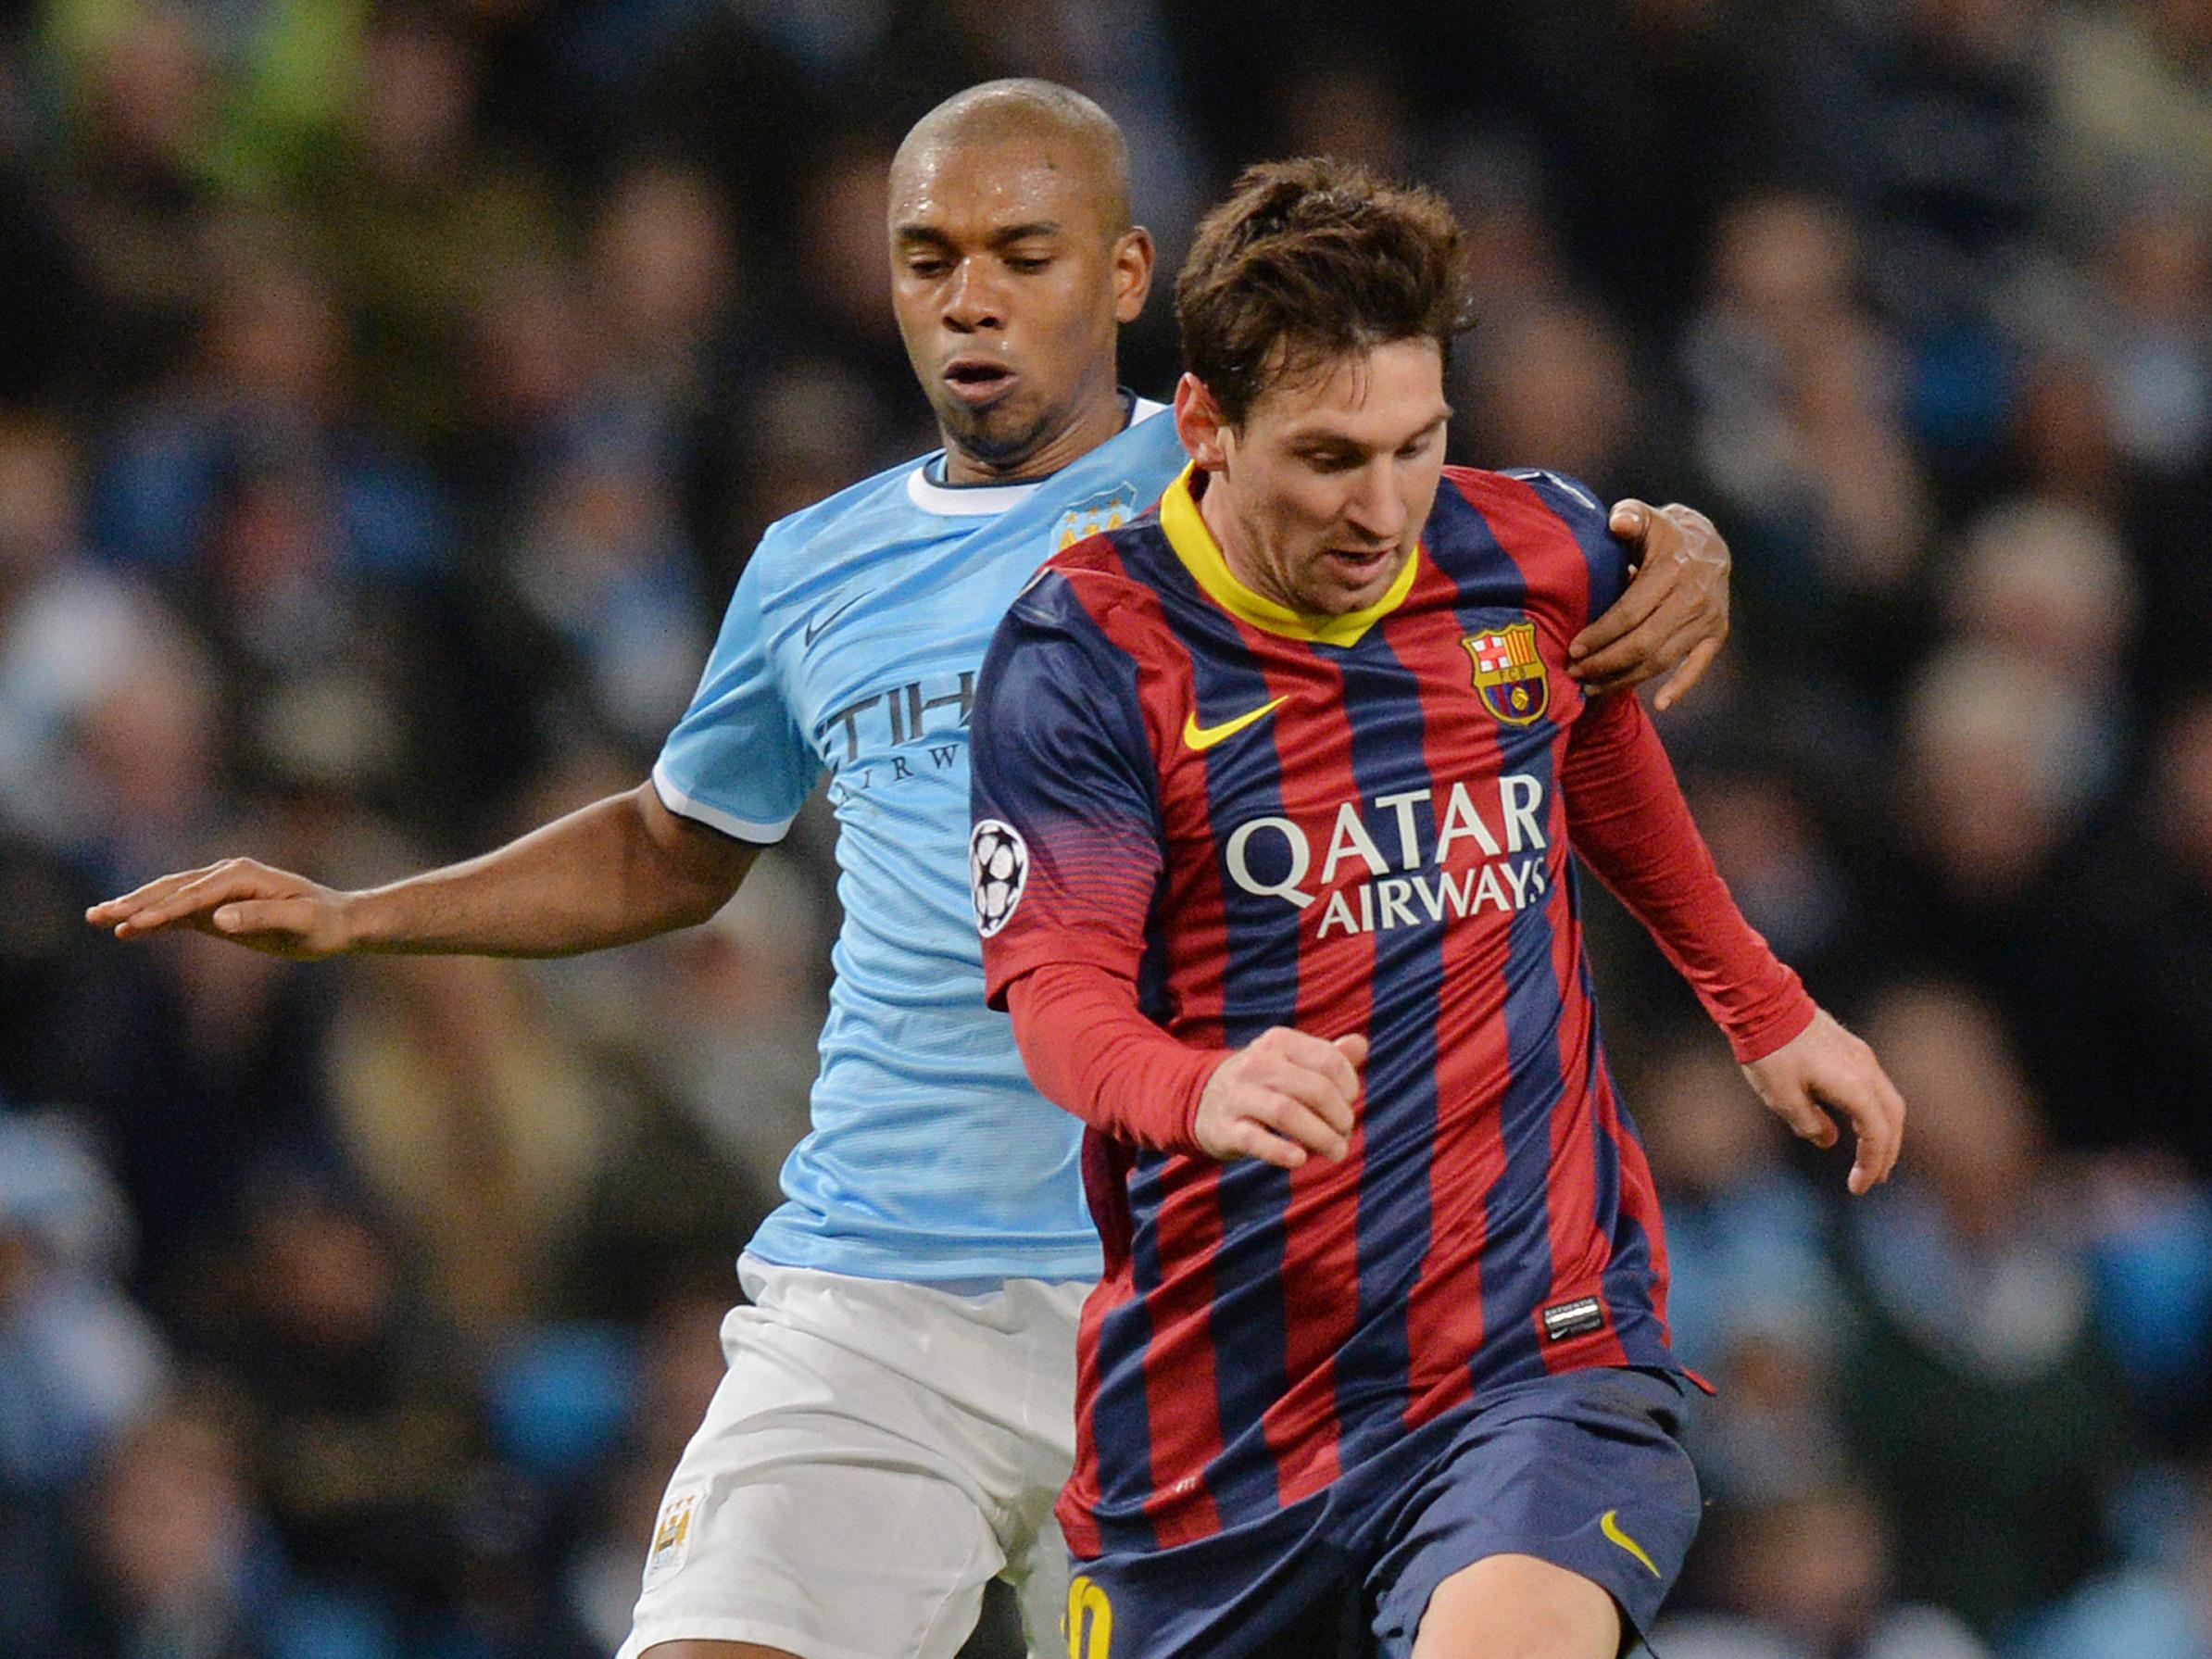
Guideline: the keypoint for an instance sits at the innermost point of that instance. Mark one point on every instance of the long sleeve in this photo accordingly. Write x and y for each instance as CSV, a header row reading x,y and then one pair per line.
x,y
1091,1051
1628,820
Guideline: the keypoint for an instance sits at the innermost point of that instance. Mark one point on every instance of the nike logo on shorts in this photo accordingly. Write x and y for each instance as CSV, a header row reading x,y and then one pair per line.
x,y
1609,1524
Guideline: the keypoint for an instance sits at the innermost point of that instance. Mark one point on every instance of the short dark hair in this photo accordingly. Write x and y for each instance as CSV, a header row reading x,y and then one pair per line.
x,y
1308,260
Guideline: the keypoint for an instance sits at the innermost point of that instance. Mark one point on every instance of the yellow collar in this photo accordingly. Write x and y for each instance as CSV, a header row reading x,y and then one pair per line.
x,y
1201,556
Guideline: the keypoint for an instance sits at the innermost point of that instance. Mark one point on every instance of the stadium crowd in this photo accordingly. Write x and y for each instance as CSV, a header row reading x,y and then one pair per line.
x,y
390,392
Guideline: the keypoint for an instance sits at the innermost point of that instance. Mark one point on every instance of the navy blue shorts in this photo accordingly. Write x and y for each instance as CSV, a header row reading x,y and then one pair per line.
x,y
1585,1470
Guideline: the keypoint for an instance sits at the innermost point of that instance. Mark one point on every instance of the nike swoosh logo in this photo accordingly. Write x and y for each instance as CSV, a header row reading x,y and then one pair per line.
x,y
1203,737
1610,1526
819,621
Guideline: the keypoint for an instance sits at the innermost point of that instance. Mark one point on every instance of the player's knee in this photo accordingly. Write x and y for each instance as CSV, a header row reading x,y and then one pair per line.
x,y
1518,1607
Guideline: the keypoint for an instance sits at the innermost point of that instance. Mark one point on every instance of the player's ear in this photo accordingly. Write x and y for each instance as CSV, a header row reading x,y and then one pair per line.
x,y
1134,258
1200,424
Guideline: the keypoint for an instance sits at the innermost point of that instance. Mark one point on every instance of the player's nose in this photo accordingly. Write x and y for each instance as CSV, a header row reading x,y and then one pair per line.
x,y
973,301
1375,509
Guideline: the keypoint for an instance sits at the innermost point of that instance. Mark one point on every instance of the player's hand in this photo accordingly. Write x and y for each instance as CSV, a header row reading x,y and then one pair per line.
x,y
1825,1065
264,908
1674,613
1283,1098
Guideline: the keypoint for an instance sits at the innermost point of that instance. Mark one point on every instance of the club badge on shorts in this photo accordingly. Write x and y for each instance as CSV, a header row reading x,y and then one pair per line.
x,y
671,1536
1509,675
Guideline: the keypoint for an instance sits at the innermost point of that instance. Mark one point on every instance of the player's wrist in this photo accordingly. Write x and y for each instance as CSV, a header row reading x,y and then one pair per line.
x,y
361,922
1197,1088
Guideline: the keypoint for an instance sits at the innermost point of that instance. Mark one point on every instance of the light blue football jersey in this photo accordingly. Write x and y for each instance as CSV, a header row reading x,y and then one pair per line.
x,y
851,647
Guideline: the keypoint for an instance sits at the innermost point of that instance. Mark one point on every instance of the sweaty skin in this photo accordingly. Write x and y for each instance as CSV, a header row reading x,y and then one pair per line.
x,y
1013,266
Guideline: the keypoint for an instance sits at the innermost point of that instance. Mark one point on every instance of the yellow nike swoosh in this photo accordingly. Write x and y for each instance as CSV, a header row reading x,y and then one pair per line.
x,y
1611,1529
1199,736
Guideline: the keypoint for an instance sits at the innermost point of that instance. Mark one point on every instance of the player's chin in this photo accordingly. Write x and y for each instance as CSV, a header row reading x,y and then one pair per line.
x,y
1342,596
1004,434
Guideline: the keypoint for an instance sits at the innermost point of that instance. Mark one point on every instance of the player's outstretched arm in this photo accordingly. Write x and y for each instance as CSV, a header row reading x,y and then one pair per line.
x,y
1826,1066
1674,613
622,869
1283,1096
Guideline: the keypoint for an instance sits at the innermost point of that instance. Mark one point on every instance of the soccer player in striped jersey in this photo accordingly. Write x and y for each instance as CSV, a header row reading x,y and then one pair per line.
x,y
896,1420
1276,790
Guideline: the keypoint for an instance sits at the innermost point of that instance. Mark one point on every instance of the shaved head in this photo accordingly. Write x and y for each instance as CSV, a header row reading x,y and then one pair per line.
x,y
1072,134
1014,265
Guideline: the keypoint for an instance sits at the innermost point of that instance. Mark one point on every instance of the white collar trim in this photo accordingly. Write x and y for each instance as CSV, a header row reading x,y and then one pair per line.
x,y
975,500
965,500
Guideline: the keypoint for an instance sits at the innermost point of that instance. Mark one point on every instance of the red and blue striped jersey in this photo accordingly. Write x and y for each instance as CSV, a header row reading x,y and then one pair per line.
x,y
1349,825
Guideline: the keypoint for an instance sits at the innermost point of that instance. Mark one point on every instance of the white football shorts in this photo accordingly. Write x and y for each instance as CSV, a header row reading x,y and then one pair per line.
x,y
875,1454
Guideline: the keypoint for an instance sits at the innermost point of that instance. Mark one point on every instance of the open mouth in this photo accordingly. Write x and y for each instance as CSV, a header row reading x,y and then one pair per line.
x,y
1357,563
978,381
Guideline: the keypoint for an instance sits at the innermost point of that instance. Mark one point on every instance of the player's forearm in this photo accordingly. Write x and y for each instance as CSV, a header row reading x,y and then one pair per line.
x,y
1090,1051
1628,820
620,870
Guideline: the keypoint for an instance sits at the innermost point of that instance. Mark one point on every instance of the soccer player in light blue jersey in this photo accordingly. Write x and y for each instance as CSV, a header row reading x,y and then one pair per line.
x,y
898,1415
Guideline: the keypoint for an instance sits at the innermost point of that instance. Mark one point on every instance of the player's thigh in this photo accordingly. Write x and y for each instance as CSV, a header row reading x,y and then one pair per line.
x,y
830,1561
1582,1474
822,1509
1029,1390
1518,1607
1278,1587
715,1650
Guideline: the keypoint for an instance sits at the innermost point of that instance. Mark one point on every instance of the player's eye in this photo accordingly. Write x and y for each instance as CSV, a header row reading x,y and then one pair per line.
x,y
1421,444
1028,264
1331,460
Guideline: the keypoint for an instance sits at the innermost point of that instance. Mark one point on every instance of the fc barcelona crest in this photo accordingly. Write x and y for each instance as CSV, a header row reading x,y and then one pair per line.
x,y
1509,675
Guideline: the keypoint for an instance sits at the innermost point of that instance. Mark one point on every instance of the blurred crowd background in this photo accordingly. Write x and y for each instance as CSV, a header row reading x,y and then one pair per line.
x,y
390,392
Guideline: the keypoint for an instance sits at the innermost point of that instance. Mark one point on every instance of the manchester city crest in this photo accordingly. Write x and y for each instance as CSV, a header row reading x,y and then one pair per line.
x,y
1509,675
1109,510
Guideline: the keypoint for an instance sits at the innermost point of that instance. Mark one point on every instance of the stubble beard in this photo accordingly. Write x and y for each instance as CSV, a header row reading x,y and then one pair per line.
x,y
998,439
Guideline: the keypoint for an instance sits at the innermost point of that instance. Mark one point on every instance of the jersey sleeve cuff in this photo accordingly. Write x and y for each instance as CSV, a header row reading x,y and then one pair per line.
x,y
688,806
1781,1026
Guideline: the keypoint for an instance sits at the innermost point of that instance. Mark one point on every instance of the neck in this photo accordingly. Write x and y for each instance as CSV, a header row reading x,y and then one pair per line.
x,y
1097,418
1216,511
